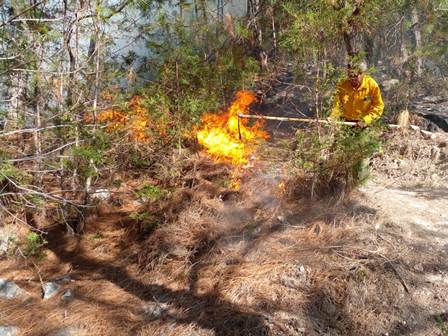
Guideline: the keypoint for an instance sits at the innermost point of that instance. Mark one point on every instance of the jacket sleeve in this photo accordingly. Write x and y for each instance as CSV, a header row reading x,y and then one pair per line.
x,y
336,111
377,105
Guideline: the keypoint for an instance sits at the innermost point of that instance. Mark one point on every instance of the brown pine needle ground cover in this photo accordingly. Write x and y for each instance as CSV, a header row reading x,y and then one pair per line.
x,y
411,160
222,262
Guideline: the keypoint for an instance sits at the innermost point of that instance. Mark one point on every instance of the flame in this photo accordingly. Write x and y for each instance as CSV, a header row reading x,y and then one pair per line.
x,y
282,186
135,121
220,136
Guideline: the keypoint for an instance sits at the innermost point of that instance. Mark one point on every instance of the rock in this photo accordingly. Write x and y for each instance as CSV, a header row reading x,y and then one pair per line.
x,y
49,289
67,331
9,290
7,240
427,135
8,331
101,194
434,109
68,295
154,310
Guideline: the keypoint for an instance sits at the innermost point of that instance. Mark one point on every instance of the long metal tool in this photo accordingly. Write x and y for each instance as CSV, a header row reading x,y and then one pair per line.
x,y
308,120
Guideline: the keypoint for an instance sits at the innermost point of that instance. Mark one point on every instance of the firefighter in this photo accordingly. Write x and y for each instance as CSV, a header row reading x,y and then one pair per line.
x,y
357,98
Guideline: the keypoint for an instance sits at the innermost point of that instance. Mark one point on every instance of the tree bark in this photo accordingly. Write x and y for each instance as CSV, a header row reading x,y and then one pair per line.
x,y
418,41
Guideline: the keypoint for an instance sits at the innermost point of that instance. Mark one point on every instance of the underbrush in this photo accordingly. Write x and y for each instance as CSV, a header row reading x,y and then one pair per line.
x,y
133,127
213,261
331,161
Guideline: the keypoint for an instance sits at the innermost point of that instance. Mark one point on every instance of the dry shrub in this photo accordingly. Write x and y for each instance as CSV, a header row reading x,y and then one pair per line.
x,y
182,179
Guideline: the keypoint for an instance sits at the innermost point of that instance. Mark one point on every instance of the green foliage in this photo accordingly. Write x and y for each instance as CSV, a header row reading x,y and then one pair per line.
x,y
141,216
194,73
8,171
335,160
146,219
151,192
442,324
34,244
195,70
88,157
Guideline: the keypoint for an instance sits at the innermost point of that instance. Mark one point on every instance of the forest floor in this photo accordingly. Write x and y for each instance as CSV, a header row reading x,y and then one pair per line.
x,y
252,262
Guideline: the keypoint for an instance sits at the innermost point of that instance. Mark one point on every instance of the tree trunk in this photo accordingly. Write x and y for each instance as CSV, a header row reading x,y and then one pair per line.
x,y
418,41
317,87
96,89
220,10
274,30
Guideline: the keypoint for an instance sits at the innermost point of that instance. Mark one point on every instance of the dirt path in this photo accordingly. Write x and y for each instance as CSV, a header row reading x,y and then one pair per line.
x,y
415,222
422,213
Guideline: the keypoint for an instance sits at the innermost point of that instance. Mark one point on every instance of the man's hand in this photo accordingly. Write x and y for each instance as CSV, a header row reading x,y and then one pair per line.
x,y
361,124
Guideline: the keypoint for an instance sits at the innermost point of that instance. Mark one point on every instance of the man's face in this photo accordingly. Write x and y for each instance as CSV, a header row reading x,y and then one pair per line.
x,y
355,78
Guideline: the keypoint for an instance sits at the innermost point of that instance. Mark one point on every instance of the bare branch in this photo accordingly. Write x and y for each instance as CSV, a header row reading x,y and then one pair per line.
x,y
31,130
39,193
38,20
31,158
8,58
22,12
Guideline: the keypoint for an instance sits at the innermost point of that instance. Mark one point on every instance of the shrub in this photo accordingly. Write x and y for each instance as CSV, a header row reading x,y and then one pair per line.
x,y
194,71
333,160
34,244
151,192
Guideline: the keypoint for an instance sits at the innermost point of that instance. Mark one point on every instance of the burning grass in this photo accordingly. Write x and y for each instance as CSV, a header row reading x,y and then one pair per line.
x,y
219,133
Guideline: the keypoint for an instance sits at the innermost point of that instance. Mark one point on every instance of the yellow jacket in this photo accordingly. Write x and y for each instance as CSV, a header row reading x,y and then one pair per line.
x,y
361,104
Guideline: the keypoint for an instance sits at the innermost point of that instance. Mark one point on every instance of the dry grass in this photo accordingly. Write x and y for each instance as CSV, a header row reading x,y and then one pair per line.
x,y
410,160
252,263
318,276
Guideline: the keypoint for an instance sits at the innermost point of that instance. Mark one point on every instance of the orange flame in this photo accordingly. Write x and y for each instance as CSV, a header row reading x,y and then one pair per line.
x,y
282,186
219,132
136,121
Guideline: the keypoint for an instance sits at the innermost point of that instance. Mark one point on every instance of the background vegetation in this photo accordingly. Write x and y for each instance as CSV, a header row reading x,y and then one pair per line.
x,y
79,104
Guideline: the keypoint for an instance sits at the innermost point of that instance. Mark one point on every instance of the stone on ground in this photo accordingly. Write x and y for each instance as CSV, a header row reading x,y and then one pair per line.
x,y
50,289
9,290
8,331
